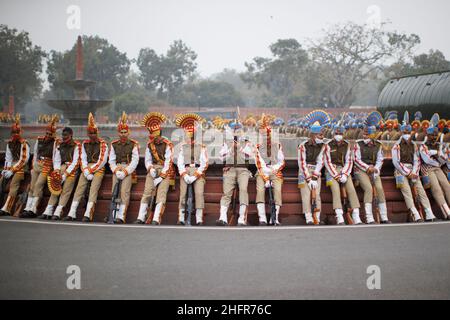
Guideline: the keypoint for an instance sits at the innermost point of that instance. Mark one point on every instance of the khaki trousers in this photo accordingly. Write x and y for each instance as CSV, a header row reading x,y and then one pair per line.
x,y
305,193
440,187
96,183
277,184
366,185
38,181
352,197
66,192
407,192
14,185
199,188
230,177
149,189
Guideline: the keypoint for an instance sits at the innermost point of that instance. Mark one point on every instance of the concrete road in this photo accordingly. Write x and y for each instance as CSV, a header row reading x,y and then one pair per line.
x,y
164,262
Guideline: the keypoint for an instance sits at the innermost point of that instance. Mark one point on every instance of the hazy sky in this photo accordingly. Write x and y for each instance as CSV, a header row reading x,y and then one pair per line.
x,y
224,34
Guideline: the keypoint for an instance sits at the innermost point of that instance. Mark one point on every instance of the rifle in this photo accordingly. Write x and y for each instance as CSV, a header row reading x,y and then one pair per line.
x,y
3,184
273,209
115,201
416,199
347,210
233,206
87,191
375,201
314,206
21,201
189,203
151,202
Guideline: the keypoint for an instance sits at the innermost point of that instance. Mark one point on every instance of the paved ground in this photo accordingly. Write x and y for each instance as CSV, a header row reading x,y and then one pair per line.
x,y
223,263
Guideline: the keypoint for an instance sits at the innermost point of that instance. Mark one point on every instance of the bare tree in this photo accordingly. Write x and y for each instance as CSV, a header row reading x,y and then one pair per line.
x,y
349,53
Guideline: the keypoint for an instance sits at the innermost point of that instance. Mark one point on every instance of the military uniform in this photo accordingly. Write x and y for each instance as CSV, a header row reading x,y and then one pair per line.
x,y
94,155
192,162
433,158
16,162
44,151
339,164
366,154
192,165
310,163
236,159
159,165
406,159
66,161
123,157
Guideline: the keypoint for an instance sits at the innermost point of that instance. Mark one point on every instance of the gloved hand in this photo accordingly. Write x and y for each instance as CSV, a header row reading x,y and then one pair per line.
x,y
268,184
120,175
313,185
187,179
3,172
343,179
267,171
153,173
432,152
376,173
192,179
90,177
8,174
86,173
157,181
63,178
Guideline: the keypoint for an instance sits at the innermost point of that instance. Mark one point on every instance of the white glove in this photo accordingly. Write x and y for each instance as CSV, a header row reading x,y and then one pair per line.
x,y
157,181
3,172
267,171
192,179
86,173
247,150
267,184
63,178
120,175
153,173
343,179
90,177
8,174
376,173
432,152
313,185
187,179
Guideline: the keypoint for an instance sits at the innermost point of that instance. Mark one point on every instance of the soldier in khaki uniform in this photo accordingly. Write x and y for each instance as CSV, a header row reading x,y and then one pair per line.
x,y
236,157
368,157
406,159
16,160
310,163
339,164
433,158
123,160
65,170
192,165
94,154
159,165
44,151
269,159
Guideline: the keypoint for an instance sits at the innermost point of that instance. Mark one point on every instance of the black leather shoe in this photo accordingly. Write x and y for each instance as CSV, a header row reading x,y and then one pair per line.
x,y
42,217
138,222
263,224
118,221
155,223
3,213
387,222
85,219
242,224
199,223
310,223
221,223
56,218
68,219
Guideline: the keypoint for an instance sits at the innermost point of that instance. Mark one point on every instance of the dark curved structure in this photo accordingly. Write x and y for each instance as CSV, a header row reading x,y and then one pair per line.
x,y
428,93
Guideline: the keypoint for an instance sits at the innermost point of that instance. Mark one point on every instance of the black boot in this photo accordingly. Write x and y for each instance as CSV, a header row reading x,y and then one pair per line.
x,y
68,218
139,222
56,218
85,219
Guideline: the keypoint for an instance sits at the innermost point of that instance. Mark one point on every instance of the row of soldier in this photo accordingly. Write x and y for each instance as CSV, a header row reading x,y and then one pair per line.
x,y
58,162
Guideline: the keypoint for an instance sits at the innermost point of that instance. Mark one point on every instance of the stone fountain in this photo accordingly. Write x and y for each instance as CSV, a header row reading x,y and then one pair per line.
x,y
76,110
